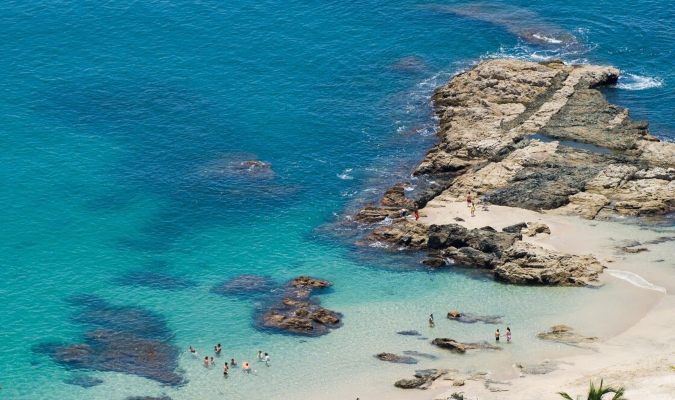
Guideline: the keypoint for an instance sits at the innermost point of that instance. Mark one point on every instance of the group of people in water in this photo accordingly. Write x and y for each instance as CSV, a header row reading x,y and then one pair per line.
x,y
497,333
209,361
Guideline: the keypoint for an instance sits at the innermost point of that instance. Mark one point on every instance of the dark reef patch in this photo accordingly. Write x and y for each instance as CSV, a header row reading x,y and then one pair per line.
x,y
155,280
124,339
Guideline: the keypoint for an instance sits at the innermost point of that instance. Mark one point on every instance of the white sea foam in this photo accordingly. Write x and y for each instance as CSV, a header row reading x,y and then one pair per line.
x,y
638,82
635,280
379,245
344,175
546,39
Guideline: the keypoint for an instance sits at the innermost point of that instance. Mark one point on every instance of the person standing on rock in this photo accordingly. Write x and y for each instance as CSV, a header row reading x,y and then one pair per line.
x,y
497,335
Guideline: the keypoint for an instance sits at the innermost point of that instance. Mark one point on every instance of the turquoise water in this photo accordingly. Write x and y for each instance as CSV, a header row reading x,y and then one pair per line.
x,y
119,121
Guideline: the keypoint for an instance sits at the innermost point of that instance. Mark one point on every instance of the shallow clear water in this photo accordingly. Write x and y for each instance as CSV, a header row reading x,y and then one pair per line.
x,y
117,119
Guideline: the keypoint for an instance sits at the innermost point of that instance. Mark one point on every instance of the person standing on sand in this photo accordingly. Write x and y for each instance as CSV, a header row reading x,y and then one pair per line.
x,y
497,335
469,200
417,214
473,210
508,335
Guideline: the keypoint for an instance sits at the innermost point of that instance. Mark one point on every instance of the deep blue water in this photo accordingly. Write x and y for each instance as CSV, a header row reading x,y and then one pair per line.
x,y
121,121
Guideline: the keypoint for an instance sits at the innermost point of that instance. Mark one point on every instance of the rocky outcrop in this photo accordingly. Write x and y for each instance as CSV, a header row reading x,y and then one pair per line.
x,y
510,259
542,136
421,380
527,263
539,136
459,347
395,358
565,334
297,311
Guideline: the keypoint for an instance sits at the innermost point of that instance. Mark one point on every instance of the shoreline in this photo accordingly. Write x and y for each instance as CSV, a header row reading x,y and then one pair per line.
x,y
558,166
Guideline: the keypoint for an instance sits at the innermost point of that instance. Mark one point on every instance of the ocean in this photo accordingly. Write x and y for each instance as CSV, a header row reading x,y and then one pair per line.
x,y
123,123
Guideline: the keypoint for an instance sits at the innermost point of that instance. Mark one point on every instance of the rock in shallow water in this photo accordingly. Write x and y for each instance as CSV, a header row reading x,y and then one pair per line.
x,y
565,334
459,347
469,318
297,312
395,358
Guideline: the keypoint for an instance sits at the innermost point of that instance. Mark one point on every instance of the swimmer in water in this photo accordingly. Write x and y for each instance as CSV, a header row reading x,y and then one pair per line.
x,y
226,370
217,349
206,361
247,367
211,361
233,363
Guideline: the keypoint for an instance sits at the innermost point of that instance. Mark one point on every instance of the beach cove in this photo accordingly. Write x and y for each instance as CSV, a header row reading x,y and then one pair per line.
x,y
172,168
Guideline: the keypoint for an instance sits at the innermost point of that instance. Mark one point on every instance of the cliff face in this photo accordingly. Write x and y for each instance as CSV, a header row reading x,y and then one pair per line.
x,y
537,136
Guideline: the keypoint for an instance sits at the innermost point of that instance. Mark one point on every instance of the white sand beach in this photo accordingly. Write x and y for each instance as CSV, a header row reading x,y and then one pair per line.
x,y
640,355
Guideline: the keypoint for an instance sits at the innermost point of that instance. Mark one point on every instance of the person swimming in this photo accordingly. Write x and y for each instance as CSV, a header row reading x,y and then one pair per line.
x,y
206,361
246,367
192,351
233,363
217,349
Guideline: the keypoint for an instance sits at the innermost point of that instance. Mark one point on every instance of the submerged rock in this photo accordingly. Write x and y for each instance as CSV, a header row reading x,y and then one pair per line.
x,y
459,347
84,381
565,334
409,333
395,358
155,280
123,339
469,318
247,284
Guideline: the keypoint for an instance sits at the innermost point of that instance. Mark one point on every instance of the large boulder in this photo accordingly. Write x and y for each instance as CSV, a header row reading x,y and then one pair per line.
x,y
526,263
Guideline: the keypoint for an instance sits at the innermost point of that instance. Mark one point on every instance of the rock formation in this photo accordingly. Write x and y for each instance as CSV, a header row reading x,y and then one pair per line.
x,y
421,380
539,136
297,312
